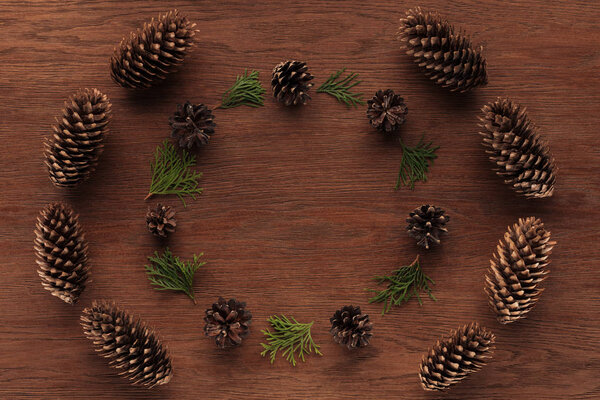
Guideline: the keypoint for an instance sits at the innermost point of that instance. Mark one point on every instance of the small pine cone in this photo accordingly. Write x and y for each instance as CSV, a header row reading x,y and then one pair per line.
x,y
192,125
446,56
75,147
61,252
451,359
152,52
291,82
161,220
386,111
515,148
426,224
351,328
517,267
228,322
128,343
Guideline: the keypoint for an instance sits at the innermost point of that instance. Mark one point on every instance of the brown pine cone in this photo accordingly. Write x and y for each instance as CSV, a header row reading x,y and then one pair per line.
x,y
451,359
446,56
386,111
516,269
426,224
161,220
152,52
131,347
516,149
350,327
76,145
61,252
228,322
192,125
291,82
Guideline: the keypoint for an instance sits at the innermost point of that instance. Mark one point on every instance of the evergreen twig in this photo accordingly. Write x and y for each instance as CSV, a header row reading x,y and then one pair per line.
x,y
172,173
341,89
415,163
168,272
246,91
290,337
403,283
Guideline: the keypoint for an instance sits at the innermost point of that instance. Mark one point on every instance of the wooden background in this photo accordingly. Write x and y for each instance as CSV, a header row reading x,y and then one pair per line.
x,y
299,210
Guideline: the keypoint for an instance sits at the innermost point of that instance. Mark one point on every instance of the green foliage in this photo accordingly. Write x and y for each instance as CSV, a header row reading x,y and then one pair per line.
x,y
341,89
415,163
404,283
290,336
172,173
168,272
246,91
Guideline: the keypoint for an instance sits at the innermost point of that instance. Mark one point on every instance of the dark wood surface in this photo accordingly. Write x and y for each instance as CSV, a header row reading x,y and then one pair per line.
x,y
299,210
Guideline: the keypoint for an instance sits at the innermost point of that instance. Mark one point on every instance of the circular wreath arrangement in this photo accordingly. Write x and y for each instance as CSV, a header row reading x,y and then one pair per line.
x,y
145,57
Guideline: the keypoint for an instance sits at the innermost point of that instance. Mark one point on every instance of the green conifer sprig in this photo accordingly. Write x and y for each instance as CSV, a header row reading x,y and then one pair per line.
x,y
415,163
168,272
173,174
289,336
246,91
340,89
403,283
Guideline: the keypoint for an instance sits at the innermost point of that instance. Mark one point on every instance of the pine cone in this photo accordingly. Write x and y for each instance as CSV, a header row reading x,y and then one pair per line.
x,y
161,220
451,359
73,151
152,52
351,328
129,344
61,252
386,111
291,82
447,57
228,322
192,125
517,267
426,224
514,146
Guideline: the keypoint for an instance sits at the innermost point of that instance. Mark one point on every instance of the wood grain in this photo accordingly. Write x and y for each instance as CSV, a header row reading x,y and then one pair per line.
x,y
298,211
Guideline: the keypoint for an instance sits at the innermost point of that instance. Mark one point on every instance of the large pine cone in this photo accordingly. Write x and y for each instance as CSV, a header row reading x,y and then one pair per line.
x,y
228,322
291,82
161,220
451,359
386,111
426,224
192,125
61,252
351,328
73,151
516,269
516,149
129,344
446,56
152,52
